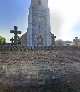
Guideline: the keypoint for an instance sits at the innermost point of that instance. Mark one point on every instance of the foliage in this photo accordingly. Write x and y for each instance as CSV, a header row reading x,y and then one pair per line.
x,y
59,42
2,40
18,41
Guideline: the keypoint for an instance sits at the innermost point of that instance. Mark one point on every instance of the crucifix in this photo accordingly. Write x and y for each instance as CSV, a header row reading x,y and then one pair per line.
x,y
12,40
53,39
15,34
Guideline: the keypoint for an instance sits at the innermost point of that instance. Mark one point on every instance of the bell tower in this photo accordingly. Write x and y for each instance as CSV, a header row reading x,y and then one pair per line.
x,y
38,32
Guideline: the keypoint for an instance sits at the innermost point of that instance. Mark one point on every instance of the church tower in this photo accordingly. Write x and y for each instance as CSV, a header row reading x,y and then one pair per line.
x,y
38,32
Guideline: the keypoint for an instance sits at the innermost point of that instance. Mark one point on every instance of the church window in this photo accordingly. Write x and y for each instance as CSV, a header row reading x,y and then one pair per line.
x,y
39,2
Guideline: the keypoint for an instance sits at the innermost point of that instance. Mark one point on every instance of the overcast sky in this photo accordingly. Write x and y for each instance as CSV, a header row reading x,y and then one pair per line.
x,y
65,17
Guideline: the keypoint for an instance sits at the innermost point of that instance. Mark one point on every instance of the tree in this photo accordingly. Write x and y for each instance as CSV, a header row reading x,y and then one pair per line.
x,y
18,41
59,42
2,40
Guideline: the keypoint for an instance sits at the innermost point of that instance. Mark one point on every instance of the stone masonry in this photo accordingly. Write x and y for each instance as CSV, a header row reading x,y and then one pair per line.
x,y
38,32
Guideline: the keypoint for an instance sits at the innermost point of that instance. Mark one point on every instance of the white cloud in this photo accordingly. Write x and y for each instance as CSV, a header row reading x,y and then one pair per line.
x,y
69,12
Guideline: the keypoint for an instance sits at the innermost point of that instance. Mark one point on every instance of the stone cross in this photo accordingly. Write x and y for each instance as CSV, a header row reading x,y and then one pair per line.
x,y
15,34
53,39
12,40
76,41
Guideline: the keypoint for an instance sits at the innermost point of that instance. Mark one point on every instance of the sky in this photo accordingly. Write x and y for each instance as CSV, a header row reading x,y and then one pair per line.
x,y
64,17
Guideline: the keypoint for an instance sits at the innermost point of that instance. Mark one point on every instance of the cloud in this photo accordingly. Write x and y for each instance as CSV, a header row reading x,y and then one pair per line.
x,y
56,23
69,10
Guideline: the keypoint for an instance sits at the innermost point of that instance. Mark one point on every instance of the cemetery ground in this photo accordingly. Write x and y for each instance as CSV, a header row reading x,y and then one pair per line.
x,y
48,70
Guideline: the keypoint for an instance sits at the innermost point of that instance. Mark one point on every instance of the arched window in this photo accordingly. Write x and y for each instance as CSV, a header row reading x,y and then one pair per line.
x,y
39,2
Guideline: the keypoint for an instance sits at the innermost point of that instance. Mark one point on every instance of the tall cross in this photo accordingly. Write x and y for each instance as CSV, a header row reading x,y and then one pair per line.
x,y
53,39
15,34
12,40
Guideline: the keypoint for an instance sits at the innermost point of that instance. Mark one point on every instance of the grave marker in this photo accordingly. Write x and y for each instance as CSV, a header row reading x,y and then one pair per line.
x,y
76,41
16,32
53,39
12,41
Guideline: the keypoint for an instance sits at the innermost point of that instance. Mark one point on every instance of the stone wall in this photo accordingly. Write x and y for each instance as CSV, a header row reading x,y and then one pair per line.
x,y
48,48
22,66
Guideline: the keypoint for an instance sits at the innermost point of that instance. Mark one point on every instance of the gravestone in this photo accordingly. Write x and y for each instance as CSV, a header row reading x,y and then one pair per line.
x,y
12,41
53,39
76,41
16,32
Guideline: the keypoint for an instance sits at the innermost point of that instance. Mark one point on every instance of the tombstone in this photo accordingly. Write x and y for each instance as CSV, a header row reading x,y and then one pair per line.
x,y
53,39
15,34
12,41
76,41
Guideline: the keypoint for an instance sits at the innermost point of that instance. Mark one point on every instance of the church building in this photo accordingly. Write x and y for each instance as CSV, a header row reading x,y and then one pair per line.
x,y
38,31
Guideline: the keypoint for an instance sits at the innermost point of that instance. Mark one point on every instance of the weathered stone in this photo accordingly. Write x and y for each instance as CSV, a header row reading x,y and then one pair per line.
x,y
38,67
16,38
38,32
76,41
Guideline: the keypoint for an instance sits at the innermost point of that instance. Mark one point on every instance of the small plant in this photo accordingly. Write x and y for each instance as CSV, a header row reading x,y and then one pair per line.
x,y
2,40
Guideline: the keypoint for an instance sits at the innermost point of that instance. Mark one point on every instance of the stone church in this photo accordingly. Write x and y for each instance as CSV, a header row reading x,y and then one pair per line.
x,y
38,31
